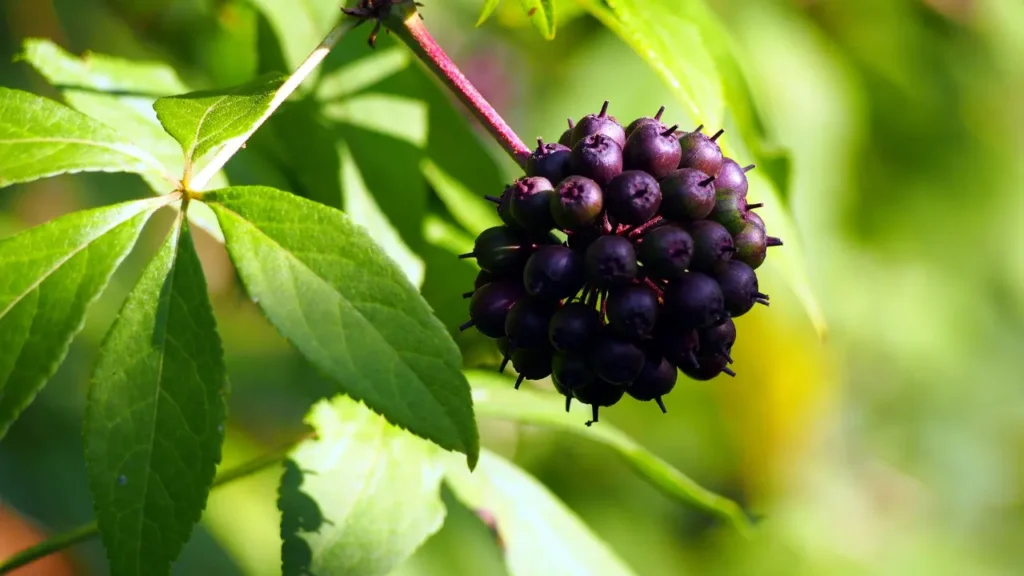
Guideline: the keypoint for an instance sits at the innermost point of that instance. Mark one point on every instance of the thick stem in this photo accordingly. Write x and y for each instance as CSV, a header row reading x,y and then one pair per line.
x,y
290,85
90,530
409,27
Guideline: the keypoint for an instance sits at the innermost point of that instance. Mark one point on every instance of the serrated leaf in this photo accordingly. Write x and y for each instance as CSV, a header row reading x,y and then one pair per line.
x,y
361,497
349,310
542,14
154,419
495,397
363,209
204,120
299,26
489,7
40,138
539,535
48,277
470,210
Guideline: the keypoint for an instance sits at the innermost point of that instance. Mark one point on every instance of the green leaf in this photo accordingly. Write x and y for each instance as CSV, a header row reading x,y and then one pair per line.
x,y
363,209
489,7
154,419
538,533
117,92
495,397
299,26
41,138
542,14
360,498
202,121
350,310
470,210
48,277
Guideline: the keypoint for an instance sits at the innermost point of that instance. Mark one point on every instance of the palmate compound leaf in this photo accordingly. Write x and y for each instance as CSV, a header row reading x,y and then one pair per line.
x,y
538,534
361,497
204,120
350,310
155,413
48,277
41,138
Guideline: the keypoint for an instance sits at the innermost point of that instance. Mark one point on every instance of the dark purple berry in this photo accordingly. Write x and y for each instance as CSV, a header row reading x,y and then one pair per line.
x,y
665,252
712,245
632,197
597,394
751,245
653,150
738,283
657,379
577,204
732,179
597,157
656,121
527,323
718,340
489,307
566,138
706,367
678,344
632,311
701,152
531,203
687,195
501,251
483,277
695,300
550,161
617,361
611,261
729,211
574,328
571,372
504,208
602,123
554,273
580,240
531,363
752,217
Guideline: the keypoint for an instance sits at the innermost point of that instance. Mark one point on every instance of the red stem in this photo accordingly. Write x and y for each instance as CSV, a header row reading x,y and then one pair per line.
x,y
415,34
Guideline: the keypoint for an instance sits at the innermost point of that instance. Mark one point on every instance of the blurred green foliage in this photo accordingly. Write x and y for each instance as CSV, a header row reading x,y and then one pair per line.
x,y
893,446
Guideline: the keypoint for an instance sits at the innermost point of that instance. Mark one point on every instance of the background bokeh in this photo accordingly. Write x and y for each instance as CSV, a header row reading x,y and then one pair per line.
x,y
893,444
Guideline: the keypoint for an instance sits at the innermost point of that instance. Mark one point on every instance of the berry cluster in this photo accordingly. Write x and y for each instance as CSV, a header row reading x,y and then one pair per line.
x,y
660,252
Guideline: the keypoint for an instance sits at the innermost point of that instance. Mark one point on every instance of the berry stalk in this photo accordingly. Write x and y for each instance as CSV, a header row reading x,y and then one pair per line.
x,y
407,25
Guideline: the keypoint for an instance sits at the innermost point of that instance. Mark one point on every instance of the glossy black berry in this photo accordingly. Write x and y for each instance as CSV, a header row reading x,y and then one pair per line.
x,y
712,245
738,283
701,152
665,252
504,207
489,307
554,273
616,360
577,204
597,157
632,311
653,150
501,251
526,325
531,203
483,277
732,178
632,197
694,300
611,261
657,379
550,161
687,194
656,121
597,394
574,328
751,245
571,372
531,363
601,123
